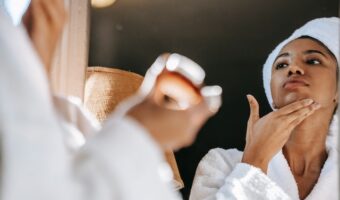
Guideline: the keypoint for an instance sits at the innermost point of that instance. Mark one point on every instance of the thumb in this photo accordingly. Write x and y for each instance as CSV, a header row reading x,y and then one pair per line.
x,y
253,116
254,109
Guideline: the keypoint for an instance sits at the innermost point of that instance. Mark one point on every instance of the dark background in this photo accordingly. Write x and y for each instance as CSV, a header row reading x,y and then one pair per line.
x,y
230,39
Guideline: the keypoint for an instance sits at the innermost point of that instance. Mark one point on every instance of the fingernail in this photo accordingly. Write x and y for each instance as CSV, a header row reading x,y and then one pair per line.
x,y
308,101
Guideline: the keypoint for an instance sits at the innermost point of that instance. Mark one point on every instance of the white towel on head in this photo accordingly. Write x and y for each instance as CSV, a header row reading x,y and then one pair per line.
x,y
326,30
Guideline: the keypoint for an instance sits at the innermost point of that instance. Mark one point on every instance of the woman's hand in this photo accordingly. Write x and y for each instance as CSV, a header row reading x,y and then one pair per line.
x,y
44,21
162,114
171,129
267,135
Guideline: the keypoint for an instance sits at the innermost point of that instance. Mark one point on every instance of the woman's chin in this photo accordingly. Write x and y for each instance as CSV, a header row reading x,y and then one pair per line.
x,y
293,97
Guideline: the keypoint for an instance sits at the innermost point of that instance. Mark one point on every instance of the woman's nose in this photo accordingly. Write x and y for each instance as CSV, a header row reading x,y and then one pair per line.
x,y
295,69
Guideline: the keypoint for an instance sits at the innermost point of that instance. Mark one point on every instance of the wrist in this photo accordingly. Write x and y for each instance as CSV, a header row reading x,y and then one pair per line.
x,y
142,113
256,160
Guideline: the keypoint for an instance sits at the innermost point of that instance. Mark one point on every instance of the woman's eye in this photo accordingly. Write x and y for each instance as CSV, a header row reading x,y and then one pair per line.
x,y
281,65
313,62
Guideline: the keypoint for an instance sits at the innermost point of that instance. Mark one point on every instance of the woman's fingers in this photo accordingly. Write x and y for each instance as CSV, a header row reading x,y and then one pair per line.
x,y
297,117
300,113
294,107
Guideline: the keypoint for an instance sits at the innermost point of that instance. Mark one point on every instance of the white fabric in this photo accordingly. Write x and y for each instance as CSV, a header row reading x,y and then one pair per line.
x,y
15,8
129,167
221,173
28,161
78,121
129,158
132,160
121,162
220,169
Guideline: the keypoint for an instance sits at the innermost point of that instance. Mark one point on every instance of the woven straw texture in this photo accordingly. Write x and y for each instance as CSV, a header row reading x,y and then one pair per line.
x,y
105,88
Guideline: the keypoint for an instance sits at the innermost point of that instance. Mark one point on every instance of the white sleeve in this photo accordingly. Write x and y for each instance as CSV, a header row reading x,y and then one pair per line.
x,y
72,111
123,162
220,175
120,146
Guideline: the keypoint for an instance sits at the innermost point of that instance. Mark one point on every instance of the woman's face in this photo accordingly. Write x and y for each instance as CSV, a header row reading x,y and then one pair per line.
x,y
304,69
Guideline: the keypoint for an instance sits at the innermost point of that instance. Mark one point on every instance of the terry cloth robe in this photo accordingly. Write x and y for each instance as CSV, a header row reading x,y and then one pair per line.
x,y
222,169
120,162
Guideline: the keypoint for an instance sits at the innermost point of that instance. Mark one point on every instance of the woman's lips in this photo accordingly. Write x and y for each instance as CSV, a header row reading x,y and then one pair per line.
x,y
294,83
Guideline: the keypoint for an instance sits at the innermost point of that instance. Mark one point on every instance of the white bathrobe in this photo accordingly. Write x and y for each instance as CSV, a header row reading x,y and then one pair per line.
x,y
221,169
43,156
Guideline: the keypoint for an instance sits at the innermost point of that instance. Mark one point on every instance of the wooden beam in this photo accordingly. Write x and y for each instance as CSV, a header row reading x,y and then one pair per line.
x,y
71,58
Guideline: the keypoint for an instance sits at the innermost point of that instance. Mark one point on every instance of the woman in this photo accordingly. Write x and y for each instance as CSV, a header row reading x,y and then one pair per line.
x,y
293,147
